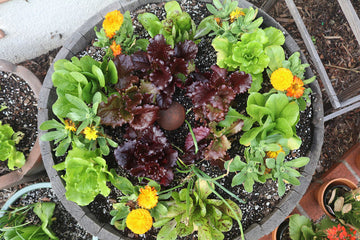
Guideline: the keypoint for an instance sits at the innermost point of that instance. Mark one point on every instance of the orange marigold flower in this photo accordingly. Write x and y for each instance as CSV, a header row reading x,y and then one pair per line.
x,y
218,20
139,221
236,13
148,197
271,154
281,79
70,125
90,133
115,48
112,23
296,90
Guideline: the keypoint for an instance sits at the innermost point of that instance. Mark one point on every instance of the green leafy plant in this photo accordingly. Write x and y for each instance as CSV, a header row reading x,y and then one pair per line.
x,y
253,170
14,227
177,27
347,208
81,78
302,228
86,175
82,117
228,21
250,53
8,140
192,210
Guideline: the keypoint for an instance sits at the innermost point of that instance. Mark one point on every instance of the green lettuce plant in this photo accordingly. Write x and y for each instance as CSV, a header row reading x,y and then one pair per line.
x,y
250,53
176,27
86,175
8,140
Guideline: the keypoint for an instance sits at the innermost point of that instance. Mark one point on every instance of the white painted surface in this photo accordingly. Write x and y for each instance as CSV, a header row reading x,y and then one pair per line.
x,y
34,27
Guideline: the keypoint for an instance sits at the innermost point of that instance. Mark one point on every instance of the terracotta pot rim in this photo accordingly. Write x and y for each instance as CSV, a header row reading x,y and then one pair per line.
x,y
322,189
33,165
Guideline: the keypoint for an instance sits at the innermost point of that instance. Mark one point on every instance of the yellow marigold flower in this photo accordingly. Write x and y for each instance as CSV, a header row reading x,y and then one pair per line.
x,y
90,133
296,89
115,48
112,23
139,221
70,125
148,197
281,79
271,154
236,13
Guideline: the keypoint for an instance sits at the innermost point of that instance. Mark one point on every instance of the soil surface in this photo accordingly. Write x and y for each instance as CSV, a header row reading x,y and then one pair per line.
x,y
339,51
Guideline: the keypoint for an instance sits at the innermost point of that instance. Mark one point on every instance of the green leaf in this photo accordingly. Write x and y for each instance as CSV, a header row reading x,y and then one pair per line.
x,y
122,183
224,224
238,179
298,162
204,232
79,103
80,78
151,23
183,230
275,36
99,75
276,103
63,147
276,55
284,127
51,124
112,73
296,223
270,163
168,231
235,165
54,135
45,211
290,113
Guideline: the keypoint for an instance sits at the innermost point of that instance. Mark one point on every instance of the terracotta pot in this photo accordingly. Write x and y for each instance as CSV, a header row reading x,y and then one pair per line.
x,y
276,234
357,161
83,37
320,195
33,166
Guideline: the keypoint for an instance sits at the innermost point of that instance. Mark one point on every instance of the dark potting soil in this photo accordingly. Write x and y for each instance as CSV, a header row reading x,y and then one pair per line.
x,y
262,201
21,112
64,226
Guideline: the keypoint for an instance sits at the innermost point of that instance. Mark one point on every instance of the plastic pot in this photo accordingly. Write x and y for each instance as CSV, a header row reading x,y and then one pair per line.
x,y
33,168
23,191
82,38
325,189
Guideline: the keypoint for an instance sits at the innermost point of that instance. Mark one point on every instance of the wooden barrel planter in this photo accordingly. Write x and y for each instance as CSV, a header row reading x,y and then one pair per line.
x,y
33,166
81,38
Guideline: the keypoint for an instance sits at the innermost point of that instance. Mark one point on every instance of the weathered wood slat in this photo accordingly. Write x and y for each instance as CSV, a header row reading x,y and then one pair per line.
x,y
313,53
267,5
351,16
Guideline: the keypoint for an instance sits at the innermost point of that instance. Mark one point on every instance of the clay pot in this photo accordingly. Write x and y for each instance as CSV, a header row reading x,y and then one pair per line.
x,y
357,161
327,186
33,166
278,231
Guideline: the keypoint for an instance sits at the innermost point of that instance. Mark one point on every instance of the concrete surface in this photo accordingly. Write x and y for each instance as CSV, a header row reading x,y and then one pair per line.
x,y
34,27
